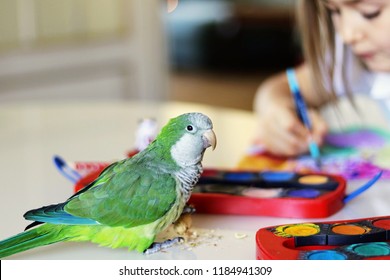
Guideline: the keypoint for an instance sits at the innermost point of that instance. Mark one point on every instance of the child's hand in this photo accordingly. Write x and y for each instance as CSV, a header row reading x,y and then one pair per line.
x,y
282,133
279,129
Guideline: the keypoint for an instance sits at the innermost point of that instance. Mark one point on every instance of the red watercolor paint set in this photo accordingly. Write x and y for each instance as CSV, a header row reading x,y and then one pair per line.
x,y
364,239
278,194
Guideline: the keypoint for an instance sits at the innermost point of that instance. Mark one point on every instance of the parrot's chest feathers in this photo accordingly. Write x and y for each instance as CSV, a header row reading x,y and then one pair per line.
x,y
187,152
188,177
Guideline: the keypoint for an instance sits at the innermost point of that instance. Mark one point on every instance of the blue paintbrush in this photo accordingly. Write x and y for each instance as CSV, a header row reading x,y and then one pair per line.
x,y
303,115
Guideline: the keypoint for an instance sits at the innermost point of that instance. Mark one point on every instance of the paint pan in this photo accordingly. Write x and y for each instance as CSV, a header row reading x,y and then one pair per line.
x,y
344,233
313,180
262,193
348,233
303,193
382,223
326,255
305,229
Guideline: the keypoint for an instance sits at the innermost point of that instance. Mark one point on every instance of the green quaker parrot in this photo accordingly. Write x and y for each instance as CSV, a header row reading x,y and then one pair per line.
x,y
132,200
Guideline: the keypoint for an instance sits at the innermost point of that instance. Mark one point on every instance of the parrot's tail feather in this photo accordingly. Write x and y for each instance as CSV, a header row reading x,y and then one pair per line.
x,y
27,240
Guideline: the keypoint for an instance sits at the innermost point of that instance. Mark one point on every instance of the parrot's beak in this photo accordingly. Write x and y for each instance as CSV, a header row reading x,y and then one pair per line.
x,y
210,140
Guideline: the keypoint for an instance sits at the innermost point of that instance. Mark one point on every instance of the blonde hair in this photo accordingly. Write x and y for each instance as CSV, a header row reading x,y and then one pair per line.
x,y
318,42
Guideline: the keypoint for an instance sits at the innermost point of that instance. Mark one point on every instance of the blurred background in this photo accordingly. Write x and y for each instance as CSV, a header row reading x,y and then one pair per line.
x,y
213,52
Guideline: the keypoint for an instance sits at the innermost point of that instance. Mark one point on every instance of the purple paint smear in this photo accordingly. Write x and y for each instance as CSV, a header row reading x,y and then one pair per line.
x,y
357,169
356,139
352,167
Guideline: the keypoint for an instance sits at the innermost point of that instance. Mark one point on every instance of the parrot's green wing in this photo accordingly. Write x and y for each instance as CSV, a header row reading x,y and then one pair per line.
x,y
129,198
125,195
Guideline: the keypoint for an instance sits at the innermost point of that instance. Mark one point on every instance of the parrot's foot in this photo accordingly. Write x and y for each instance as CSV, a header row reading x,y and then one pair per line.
x,y
157,246
188,209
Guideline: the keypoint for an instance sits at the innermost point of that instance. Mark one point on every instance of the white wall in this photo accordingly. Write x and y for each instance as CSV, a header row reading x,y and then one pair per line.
x,y
85,49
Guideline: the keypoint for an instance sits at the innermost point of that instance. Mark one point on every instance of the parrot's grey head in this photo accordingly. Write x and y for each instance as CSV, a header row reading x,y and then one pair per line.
x,y
188,136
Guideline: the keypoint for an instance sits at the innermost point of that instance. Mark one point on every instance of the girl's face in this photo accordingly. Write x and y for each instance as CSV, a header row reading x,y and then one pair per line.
x,y
364,25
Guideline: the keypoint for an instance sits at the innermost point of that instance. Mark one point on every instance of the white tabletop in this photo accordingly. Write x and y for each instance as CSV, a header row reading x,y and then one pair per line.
x,y
31,133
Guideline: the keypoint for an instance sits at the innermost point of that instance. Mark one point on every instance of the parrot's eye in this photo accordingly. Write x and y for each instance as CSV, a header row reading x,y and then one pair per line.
x,y
190,128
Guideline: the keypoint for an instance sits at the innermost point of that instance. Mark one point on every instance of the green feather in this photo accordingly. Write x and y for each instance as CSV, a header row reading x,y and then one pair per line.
x,y
43,235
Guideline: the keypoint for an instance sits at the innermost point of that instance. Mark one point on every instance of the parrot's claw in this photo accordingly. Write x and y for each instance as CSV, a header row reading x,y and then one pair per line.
x,y
188,209
158,246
